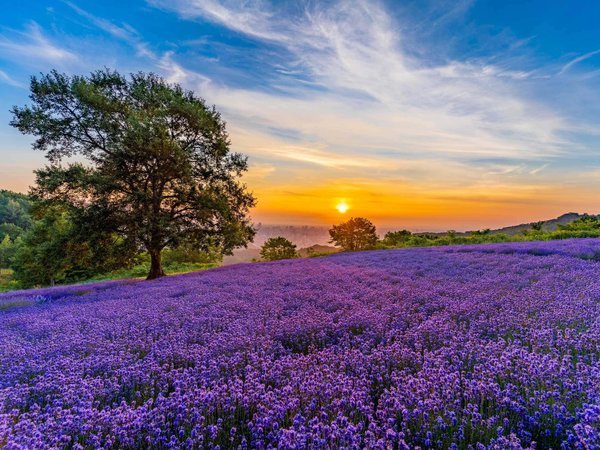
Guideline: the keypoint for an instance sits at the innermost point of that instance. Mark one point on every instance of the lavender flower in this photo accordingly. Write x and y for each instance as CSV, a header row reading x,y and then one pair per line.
x,y
490,346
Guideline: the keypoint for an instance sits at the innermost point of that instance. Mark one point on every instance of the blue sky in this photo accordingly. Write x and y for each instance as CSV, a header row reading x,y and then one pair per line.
x,y
450,114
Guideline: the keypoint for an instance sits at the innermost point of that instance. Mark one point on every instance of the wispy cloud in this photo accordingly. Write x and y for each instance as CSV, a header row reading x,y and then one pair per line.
x,y
253,18
173,71
352,49
577,60
32,45
5,78
328,93
361,99
538,169
176,73
259,171
373,93
323,158
124,32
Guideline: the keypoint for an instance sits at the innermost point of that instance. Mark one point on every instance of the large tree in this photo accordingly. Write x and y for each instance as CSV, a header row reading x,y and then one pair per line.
x,y
156,166
357,233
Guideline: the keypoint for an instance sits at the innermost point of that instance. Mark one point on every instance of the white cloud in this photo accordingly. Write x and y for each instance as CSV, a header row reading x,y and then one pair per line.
x,y
125,32
32,45
259,171
252,18
578,60
374,95
357,101
538,169
5,78
176,73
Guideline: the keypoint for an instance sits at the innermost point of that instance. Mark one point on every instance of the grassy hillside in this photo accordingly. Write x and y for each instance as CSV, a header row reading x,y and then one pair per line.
x,y
566,227
547,225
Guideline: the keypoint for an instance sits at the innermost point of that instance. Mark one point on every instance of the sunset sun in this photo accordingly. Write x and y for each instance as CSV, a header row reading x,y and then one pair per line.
x,y
342,207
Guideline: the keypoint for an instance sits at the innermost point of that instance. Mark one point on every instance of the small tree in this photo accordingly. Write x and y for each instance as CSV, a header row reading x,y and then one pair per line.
x,y
277,248
355,234
396,238
158,168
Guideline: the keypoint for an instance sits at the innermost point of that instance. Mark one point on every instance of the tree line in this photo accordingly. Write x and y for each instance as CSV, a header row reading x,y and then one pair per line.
x,y
359,234
42,245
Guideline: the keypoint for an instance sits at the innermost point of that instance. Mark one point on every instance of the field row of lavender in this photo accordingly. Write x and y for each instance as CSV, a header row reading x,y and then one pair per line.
x,y
492,346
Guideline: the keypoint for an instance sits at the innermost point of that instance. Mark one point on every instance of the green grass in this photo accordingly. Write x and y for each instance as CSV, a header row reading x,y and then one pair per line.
x,y
141,271
8,283
431,240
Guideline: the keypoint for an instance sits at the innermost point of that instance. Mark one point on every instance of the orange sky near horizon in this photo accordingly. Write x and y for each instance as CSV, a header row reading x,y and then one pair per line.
x,y
418,207
311,197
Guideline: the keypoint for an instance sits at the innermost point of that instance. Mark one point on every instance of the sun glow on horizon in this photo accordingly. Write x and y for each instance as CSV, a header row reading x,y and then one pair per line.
x,y
342,207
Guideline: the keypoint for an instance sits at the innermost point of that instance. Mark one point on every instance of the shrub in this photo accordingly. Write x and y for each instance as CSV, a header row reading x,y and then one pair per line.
x,y
277,248
396,238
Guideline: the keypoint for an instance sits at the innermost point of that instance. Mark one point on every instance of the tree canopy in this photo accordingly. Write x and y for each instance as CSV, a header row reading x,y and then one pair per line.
x,y
277,248
53,251
14,214
355,234
157,168
396,238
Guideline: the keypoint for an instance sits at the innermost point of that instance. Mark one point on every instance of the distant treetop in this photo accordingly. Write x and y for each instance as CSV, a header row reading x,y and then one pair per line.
x,y
277,248
355,234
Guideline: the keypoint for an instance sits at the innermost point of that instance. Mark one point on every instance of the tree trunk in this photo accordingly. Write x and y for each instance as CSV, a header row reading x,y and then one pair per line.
x,y
156,270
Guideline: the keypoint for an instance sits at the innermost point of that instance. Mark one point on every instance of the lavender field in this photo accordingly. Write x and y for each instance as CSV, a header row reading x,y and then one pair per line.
x,y
491,346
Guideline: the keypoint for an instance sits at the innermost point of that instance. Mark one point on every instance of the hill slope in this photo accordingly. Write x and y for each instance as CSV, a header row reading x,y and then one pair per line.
x,y
430,347
548,225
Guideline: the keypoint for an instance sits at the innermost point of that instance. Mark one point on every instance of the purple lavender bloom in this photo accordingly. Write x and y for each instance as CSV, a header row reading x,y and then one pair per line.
x,y
488,346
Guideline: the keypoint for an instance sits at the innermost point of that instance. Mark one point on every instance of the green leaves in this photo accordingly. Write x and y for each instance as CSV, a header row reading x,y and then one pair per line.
x,y
355,234
154,160
277,248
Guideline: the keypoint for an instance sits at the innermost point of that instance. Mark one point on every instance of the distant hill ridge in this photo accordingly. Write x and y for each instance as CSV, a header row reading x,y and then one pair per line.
x,y
548,225
305,235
